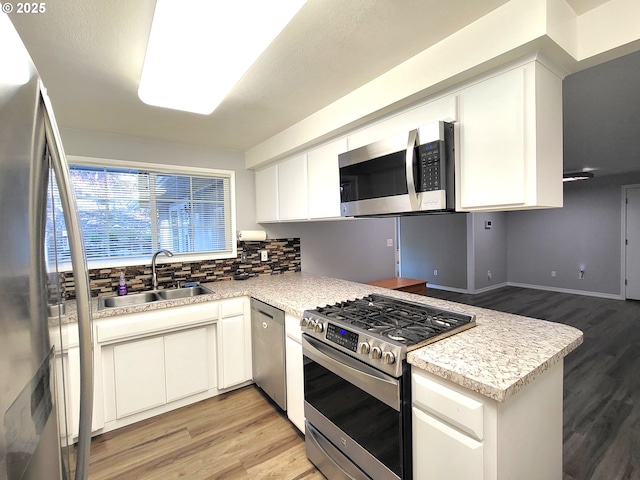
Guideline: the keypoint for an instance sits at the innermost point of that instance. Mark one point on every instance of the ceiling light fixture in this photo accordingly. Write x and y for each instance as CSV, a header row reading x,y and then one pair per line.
x,y
574,176
199,49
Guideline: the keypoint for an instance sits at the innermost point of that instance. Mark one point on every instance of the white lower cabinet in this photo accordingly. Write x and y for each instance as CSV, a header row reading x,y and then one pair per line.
x,y
295,374
234,342
461,434
186,358
452,454
67,360
138,370
151,362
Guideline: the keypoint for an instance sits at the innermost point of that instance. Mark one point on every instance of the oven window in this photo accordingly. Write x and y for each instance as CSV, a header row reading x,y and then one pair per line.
x,y
380,177
373,424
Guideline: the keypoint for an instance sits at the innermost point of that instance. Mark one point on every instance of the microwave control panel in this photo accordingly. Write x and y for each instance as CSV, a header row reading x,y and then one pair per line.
x,y
430,174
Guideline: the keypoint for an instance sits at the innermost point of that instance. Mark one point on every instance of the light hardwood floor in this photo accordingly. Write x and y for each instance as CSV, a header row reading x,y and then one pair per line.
x,y
237,435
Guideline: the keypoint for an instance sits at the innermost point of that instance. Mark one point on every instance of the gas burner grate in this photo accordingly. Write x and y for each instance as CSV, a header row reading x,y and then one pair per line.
x,y
405,322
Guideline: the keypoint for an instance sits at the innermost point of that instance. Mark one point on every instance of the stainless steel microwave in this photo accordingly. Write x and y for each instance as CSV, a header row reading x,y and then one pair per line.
x,y
405,174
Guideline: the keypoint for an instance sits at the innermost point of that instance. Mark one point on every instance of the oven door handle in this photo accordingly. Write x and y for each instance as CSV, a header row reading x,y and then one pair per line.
x,y
377,384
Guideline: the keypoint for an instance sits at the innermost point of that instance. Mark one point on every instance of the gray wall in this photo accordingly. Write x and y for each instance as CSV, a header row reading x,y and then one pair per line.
x,y
435,242
119,147
353,250
489,250
586,231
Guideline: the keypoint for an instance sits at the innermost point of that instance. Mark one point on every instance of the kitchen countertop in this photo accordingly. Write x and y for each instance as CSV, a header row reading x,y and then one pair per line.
x,y
498,357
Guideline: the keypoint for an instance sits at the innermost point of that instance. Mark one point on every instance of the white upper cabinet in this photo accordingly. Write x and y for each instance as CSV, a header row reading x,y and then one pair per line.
x,y
267,194
510,141
508,128
292,189
324,179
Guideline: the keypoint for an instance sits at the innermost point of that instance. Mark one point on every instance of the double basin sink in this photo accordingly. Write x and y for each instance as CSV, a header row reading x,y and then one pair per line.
x,y
151,297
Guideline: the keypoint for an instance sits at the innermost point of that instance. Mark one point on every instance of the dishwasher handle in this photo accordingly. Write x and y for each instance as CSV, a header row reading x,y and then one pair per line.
x,y
272,313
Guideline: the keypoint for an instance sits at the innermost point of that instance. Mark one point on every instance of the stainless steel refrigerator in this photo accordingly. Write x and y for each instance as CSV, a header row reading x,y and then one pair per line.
x,y
32,420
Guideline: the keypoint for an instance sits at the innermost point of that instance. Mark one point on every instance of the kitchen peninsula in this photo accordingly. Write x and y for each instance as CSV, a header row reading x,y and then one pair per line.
x,y
492,393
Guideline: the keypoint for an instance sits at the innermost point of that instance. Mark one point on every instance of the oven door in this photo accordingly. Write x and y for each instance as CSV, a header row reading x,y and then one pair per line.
x,y
358,423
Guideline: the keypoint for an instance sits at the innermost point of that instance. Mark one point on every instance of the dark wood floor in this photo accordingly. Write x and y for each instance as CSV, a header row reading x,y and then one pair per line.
x,y
601,379
240,435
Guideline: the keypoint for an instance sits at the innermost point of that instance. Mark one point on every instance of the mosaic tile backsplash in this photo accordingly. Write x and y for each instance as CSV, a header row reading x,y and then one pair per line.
x,y
284,256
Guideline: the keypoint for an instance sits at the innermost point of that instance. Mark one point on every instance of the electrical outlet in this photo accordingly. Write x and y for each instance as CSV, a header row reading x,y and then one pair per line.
x,y
553,273
489,274
435,273
389,242
264,255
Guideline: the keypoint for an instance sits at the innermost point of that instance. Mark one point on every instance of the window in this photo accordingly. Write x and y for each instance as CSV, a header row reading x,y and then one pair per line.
x,y
127,214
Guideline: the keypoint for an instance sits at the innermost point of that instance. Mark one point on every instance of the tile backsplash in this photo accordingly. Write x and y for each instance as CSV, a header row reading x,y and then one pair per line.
x,y
283,256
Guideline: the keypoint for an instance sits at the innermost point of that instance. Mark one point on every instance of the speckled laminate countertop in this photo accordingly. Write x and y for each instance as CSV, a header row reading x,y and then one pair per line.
x,y
496,358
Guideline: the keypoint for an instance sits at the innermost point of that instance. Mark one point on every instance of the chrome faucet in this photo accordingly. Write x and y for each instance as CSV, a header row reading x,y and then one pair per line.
x,y
154,277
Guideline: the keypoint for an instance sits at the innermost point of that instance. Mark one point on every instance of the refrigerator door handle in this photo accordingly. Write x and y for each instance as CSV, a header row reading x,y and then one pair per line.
x,y
83,290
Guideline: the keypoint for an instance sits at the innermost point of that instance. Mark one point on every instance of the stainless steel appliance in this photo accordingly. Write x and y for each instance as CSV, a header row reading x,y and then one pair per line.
x,y
268,351
357,386
30,156
409,173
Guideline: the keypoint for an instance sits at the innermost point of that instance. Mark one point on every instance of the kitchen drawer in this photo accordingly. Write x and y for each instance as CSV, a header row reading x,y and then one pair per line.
x,y
232,307
451,406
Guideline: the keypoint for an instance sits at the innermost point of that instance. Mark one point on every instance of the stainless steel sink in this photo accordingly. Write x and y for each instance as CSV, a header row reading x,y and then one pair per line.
x,y
150,297
177,293
127,300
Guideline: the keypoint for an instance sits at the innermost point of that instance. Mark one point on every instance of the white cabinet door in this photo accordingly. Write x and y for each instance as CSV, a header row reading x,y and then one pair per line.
x,y
295,383
492,141
232,359
186,362
324,179
139,375
292,189
442,452
267,194
510,141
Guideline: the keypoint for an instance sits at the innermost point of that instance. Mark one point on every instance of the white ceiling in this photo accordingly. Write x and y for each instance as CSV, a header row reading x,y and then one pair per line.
x,y
90,54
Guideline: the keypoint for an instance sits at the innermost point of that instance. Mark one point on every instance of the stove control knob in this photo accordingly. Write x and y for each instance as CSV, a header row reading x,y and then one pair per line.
x,y
376,353
388,358
363,348
304,322
318,327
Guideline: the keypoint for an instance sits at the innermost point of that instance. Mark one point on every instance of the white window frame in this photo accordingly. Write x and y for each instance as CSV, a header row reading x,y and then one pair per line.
x,y
169,169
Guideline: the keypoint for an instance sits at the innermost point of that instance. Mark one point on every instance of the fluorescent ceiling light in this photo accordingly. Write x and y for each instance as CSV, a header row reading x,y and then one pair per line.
x,y
199,49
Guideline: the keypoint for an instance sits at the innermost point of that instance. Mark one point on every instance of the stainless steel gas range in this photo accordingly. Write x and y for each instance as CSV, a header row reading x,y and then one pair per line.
x,y
357,385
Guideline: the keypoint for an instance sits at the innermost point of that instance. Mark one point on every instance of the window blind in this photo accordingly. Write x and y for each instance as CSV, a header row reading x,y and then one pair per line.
x,y
127,213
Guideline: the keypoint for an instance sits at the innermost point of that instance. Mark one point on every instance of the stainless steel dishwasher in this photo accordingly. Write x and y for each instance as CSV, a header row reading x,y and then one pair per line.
x,y
268,344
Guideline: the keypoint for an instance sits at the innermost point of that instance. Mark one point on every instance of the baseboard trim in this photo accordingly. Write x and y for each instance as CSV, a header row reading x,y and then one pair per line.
x,y
449,289
611,296
491,287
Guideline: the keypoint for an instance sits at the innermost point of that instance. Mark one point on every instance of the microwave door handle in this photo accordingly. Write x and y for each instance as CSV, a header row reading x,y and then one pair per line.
x,y
410,160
